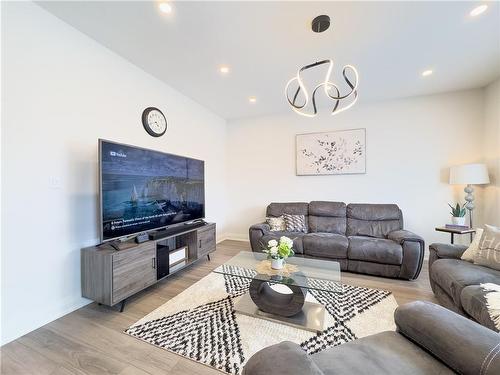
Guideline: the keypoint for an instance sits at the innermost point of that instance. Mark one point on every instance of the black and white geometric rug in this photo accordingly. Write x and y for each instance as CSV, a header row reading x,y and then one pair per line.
x,y
200,323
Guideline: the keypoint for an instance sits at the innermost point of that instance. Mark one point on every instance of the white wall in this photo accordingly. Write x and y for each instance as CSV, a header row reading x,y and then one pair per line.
x,y
61,92
490,198
410,145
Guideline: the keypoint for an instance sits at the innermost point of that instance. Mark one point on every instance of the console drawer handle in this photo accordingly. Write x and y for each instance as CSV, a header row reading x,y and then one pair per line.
x,y
154,263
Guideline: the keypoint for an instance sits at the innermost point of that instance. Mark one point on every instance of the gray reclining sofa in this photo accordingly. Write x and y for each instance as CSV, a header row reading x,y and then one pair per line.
x,y
363,238
429,340
456,282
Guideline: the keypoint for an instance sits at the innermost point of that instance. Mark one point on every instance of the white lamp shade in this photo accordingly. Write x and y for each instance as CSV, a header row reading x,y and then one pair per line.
x,y
469,174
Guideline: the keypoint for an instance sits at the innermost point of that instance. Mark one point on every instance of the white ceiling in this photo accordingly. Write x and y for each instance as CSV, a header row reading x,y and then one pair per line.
x,y
264,43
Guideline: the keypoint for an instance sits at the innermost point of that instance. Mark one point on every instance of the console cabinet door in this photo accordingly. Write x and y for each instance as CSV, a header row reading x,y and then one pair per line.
x,y
206,241
133,270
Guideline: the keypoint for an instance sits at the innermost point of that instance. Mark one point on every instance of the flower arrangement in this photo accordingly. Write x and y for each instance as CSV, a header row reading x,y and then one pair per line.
x,y
279,251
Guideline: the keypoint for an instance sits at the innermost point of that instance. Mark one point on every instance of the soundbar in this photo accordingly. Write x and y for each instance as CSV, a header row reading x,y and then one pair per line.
x,y
159,234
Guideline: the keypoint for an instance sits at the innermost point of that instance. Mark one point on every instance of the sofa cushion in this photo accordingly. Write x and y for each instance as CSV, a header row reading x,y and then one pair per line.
x,y
384,353
452,275
488,253
325,245
295,208
295,236
376,250
374,220
276,223
295,223
474,304
327,217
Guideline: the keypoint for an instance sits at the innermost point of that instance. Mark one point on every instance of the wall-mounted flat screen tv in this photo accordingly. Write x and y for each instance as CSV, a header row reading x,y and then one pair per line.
x,y
143,190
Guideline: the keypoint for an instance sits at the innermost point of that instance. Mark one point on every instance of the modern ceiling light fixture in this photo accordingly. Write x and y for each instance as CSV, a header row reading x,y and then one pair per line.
x,y
165,7
427,72
224,69
330,89
478,10
252,99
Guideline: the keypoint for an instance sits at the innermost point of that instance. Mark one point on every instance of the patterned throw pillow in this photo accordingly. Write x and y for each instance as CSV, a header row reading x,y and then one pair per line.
x,y
295,223
471,251
276,223
489,248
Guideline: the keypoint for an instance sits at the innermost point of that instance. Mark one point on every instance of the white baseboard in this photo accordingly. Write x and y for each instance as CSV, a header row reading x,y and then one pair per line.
x,y
232,237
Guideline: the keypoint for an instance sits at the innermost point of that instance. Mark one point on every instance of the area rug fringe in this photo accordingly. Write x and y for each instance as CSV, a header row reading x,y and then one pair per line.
x,y
493,302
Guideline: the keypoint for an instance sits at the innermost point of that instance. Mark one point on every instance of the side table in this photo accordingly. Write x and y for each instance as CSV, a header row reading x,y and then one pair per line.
x,y
453,231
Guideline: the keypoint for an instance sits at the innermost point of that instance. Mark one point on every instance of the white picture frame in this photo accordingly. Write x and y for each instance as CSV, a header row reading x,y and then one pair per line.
x,y
331,153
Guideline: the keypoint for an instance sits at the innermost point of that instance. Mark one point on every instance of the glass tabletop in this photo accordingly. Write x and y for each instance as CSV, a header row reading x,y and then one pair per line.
x,y
303,272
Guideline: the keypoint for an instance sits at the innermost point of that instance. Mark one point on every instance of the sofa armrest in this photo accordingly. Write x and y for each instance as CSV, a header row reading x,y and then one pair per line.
x,y
402,235
255,233
463,345
413,252
284,358
445,251
263,227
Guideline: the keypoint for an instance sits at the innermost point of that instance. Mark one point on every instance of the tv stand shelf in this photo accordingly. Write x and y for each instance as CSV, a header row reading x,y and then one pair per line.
x,y
110,276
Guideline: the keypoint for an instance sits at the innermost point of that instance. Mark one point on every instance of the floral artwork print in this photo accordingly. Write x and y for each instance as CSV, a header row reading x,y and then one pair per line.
x,y
340,152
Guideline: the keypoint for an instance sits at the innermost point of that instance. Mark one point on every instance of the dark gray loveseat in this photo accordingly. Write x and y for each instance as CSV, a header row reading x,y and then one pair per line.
x,y
363,238
456,282
430,340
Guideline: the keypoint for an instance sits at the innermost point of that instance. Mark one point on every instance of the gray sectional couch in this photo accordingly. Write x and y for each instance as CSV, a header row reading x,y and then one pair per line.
x,y
456,283
363,238
429,340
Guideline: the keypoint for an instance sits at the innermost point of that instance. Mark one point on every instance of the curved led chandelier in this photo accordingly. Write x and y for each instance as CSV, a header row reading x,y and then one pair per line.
x,y
330,89
327,86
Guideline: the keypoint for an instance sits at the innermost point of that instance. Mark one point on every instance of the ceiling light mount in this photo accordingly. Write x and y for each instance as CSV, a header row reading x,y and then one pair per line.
x,y
320,23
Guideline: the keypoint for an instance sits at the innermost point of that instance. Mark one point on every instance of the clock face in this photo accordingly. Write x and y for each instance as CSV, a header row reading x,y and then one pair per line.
x,y
154,121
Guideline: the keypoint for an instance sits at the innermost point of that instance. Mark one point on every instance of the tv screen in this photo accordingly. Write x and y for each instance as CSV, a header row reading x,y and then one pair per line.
x,y
142,189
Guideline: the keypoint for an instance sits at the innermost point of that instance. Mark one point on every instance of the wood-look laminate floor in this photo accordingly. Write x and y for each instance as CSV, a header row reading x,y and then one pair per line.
x,y
90,340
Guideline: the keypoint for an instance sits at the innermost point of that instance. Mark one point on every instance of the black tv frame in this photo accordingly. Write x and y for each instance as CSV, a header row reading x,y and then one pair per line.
x,y
132,235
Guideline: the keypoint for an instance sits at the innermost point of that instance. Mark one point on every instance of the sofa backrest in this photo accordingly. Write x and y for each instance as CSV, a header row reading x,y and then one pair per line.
x,y
373,220
329,217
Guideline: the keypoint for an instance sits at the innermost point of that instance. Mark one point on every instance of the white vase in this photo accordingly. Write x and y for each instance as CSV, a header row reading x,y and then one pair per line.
x,y
277,264
458,220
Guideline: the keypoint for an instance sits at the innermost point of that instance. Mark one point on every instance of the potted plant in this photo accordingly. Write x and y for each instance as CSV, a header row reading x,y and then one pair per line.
x,y
457,214
277,252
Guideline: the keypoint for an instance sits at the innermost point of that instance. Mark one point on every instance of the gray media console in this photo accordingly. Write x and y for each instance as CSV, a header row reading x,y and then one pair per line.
x,y
109,276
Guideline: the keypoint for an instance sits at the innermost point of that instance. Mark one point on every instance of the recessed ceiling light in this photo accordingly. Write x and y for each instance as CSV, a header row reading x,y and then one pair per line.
x,y
252,99
224,69
165,7
426,73
478,10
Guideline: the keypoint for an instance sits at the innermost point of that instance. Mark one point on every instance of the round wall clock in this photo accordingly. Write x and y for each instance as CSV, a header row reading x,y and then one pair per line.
x,y
154,121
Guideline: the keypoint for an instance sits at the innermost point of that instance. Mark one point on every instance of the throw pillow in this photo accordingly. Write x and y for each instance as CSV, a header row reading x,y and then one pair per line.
x,y
276,223
471,251
489,248
295,223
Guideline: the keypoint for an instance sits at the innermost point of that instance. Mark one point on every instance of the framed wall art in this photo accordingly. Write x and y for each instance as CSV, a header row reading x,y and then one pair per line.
x,y
335,152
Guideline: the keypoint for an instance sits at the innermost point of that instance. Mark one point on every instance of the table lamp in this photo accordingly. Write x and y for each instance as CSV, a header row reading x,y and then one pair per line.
x,y
469,174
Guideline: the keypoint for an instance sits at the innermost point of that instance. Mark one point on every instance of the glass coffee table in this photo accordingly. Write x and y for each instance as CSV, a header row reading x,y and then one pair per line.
x,y
280,295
